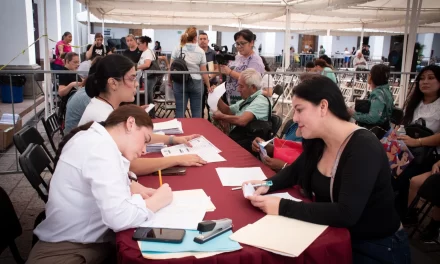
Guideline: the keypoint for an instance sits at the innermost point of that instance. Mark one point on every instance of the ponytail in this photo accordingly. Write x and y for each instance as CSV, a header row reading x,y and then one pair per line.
x,y
95,86
189,36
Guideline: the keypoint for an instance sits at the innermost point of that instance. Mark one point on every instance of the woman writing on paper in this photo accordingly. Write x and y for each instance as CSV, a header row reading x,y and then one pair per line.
x,y
346,168
114,83
90,193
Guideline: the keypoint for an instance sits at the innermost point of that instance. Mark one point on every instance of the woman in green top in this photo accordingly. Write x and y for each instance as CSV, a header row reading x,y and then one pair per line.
x,y
381,100
325,69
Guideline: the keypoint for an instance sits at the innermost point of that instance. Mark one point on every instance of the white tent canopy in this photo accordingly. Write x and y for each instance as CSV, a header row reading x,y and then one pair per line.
x,y
344,16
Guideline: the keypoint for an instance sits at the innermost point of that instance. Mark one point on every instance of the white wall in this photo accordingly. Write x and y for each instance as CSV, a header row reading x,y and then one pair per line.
x,y
118,33
169,38
66,14
386,46
228,39
436,45
339,43
17,31
376,47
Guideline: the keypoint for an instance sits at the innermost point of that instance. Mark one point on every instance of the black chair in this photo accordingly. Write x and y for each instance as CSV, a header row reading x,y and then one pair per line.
x,y
286,127
276,124
51,126
10,227
33,162
27,135
396,116
278,90
429,191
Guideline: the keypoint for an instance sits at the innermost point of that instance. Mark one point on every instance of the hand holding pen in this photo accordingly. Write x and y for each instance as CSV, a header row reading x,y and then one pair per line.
x,y
261,187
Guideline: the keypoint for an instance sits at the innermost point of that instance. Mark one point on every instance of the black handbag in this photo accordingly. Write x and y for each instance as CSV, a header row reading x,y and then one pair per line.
x,y
419,130
154,66
362,106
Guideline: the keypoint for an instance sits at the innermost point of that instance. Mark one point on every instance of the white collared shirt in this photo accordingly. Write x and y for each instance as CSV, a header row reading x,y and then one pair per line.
x,y
90,192
97,111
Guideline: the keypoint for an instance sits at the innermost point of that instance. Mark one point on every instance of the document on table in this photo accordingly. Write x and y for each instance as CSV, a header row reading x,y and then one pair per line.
x,y
169,127
200,146
236,176
187,209
284,236
215,96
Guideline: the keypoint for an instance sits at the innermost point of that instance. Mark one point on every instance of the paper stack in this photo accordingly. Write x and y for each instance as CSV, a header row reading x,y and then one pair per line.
x,y
155,147
279,234
169,127
200,146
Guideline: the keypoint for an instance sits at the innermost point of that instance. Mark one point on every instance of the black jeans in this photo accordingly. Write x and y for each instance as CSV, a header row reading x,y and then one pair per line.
x,y
392,249
205,103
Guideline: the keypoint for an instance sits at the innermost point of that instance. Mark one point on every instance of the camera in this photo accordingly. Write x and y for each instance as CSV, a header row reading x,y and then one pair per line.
x,y
224,56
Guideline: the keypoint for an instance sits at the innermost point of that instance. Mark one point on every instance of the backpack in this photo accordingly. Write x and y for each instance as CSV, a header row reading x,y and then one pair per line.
x,y
179,64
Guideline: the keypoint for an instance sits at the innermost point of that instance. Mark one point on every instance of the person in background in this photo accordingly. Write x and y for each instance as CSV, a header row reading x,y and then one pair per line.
x,y
267,82
91,195
195,59
351,190
113,83
310,66
311,50
359,62
353,51
322,67
212,67
77,104
422,103
157,48
61,48
381,99
366,52
347,56
247,58
69,82
328,60
133,52
321,50
147,58
98,48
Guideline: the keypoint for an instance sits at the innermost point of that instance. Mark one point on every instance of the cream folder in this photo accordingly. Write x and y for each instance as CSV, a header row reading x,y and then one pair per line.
x,y
279,234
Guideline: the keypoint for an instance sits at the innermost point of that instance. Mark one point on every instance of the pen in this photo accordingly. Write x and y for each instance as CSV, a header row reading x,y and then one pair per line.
x,y
267,183
160,178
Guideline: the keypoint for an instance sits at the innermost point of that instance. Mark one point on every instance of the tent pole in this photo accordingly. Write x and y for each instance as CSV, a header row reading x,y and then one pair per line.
x,y
47,76
103,24
286,54
403,80
362,37
88,21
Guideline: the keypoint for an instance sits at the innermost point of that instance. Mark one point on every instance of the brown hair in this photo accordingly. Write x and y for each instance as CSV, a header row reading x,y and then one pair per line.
x,y
66,57
321,63
99,35
119,115
131,36
189,36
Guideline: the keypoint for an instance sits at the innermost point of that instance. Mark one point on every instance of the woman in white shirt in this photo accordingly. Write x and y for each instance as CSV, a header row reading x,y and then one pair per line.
x,y
144,63
113,83
90,196
423,103
195,59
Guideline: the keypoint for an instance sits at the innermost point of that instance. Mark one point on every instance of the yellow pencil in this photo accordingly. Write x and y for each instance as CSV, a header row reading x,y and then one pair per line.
x,y
160,178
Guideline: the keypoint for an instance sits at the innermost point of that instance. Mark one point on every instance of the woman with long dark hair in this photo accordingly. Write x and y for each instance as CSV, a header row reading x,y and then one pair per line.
x,y
423,103
346,169
91,195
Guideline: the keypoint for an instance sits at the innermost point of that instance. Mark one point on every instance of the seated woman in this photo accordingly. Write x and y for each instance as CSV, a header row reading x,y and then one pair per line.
x,y
381,100
69,82
431,231
90,193
275,164
347,170
114,83
422,103
321,66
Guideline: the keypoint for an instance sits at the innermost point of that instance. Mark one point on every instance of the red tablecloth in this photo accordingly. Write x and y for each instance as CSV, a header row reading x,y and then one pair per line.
x,y
333,246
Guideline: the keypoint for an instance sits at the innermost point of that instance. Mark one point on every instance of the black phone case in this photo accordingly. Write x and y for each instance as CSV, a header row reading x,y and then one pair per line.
x,y
140,234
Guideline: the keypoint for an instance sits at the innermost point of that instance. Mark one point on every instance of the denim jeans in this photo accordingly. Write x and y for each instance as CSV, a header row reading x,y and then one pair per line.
x,y
393,249
193,92
149,90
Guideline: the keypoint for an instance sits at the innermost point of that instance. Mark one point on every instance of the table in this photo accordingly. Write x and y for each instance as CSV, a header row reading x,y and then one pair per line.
x,y
333,246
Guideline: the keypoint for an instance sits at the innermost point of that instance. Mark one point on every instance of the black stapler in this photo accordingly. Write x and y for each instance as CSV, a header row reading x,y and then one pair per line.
x,y
212,228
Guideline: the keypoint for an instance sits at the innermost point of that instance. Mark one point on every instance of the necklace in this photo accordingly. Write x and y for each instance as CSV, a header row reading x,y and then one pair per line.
x,y
99,97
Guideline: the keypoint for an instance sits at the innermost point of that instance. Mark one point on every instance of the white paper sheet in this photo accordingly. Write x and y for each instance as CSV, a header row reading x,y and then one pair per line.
x,y
210,156
264,144
187,209
248,190
200,146
169,127
215,96
148,109
286,236
236,176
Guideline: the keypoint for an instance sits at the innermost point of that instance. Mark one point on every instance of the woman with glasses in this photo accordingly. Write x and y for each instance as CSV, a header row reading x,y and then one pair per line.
x,y
246,58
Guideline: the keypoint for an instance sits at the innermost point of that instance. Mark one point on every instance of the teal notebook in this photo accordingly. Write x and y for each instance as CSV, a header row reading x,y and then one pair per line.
x,y
220,243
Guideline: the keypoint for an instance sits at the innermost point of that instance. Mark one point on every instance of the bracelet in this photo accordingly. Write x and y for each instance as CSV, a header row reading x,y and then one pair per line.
x,y
420,142
285,164
171,140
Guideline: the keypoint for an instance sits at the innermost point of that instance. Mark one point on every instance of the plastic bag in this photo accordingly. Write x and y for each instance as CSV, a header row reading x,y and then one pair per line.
x,y
286,150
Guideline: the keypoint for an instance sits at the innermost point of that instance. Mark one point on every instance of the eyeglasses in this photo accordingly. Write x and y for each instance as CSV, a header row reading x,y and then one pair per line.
x,y
241,44
130,78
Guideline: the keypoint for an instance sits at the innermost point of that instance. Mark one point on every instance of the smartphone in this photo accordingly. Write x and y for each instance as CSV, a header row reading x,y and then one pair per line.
x,y
167,235
173,171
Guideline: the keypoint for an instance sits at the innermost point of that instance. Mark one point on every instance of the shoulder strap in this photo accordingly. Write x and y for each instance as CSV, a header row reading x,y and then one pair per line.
x,y
154,55
335,165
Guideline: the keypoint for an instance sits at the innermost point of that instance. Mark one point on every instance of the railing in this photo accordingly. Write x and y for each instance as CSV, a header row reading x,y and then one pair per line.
x,y
353,85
